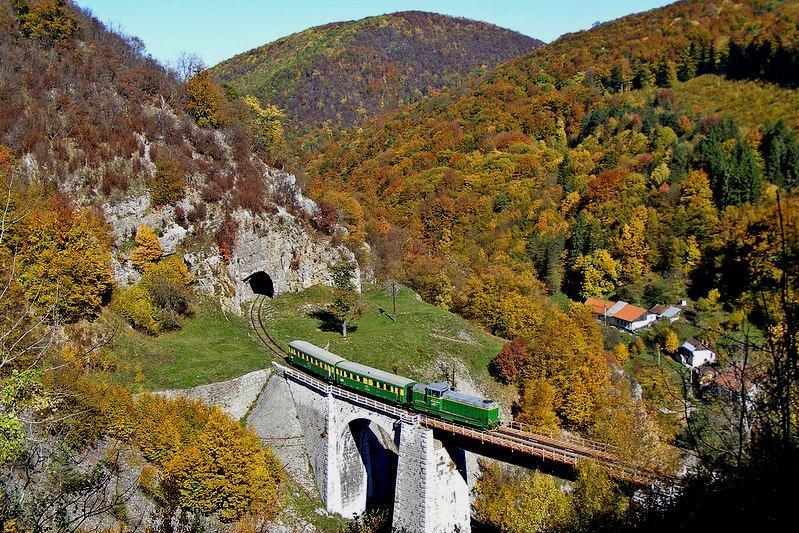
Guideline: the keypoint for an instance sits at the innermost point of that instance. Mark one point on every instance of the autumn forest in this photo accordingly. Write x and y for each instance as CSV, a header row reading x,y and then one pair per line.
x,y
529,190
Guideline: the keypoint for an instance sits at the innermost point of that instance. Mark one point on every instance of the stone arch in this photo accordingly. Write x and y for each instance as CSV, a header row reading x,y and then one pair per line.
x,y
261,283
367,476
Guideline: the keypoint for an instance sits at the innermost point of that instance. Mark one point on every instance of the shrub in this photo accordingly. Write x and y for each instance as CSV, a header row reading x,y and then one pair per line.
x,y
161,297
167,283
166,186
325,218
205,101
198,213
64,260
225,471
147,250
510,363
113,178
47,21
135,305
225,236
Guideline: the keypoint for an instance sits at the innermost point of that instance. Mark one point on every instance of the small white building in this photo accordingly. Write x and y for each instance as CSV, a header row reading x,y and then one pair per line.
x,y
621,314
694,353
666,312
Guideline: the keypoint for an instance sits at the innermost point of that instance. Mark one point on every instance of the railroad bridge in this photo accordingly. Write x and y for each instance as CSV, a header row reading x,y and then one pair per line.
x,y
364,452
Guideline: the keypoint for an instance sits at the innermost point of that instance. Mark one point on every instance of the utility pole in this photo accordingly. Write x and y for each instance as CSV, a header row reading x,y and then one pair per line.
x,y
394,301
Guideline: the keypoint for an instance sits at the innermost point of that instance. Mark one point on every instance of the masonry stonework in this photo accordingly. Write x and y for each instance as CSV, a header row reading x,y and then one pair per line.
x,y
359,455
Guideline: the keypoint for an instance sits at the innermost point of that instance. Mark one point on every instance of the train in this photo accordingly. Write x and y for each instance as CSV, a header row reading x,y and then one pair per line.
x,y
436,399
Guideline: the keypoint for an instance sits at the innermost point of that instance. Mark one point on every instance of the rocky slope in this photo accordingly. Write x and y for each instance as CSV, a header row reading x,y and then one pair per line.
x,y
89,114
345,72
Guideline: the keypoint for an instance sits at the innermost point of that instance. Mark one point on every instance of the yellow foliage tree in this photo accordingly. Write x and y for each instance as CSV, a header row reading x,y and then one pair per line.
x,y
64,260
507,303
148,250
226,471
621,353
536,405
534,503
631,245
567,351
670,341
166,185
205,100
266,126
600,273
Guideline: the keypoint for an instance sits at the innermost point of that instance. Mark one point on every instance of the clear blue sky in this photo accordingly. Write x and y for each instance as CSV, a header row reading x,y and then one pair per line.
x,y
217,29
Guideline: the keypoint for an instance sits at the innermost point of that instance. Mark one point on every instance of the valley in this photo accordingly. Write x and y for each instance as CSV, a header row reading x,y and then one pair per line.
x,y
596,236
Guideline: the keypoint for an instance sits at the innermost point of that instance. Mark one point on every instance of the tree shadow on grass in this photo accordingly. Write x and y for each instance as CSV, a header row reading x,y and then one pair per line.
x,y
329,322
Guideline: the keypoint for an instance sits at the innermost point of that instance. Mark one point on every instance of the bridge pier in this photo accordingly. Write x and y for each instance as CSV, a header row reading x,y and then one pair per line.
x,y
432,493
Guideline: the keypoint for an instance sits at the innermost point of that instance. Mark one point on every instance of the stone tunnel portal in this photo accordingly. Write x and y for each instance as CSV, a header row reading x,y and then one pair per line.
x,y
261,283
368,467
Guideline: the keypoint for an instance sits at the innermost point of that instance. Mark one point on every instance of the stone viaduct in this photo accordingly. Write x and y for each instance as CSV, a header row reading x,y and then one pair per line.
x,y
363,455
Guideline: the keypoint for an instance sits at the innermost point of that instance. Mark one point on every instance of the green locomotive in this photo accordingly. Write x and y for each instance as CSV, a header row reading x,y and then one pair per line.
x,y
434,398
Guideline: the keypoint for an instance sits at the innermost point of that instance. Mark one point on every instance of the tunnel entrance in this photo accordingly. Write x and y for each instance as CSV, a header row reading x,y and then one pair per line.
x,y
261,283
369,468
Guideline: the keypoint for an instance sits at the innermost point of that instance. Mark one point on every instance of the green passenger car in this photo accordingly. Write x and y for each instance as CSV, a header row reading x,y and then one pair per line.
x,y
313,359
437,399
372,381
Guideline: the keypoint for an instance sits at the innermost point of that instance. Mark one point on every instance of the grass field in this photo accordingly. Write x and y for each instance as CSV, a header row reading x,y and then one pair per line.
x,y
214,346
422,334
751,103
211,346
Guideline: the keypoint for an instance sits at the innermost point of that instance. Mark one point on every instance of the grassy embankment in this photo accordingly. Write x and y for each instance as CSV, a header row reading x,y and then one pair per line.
x,y
212,346
422,335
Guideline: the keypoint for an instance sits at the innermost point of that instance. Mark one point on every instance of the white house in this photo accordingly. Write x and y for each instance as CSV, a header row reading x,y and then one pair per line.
x,y
666,312
621,314
694,353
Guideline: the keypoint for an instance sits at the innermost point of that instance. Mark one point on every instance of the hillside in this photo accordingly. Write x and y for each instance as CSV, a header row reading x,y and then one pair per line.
x,y
526,169
422,337
346,72
87,113
649,159
128,194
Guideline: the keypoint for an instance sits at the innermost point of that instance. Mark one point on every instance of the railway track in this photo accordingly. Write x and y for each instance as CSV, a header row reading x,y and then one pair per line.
x,y
566,450
257,323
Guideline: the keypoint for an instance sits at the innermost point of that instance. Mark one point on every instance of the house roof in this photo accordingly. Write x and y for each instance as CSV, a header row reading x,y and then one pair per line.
x,y
618,306
692,344
667,311
598,307
629,313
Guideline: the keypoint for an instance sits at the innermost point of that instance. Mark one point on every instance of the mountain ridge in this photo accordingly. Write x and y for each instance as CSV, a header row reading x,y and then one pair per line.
x,y
343,72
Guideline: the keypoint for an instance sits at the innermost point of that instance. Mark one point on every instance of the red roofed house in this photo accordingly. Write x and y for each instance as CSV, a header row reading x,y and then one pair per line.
x,y
621,314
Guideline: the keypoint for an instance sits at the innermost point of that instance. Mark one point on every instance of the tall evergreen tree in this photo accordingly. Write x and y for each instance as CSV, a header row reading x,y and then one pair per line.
x,y
666,75
643,77
781,155
686,65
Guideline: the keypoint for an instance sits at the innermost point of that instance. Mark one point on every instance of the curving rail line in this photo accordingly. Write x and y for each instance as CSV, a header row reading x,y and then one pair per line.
x,y
257,323
512,436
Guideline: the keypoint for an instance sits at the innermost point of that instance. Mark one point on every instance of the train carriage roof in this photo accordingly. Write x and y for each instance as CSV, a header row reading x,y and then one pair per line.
x,y
374,373
315,351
